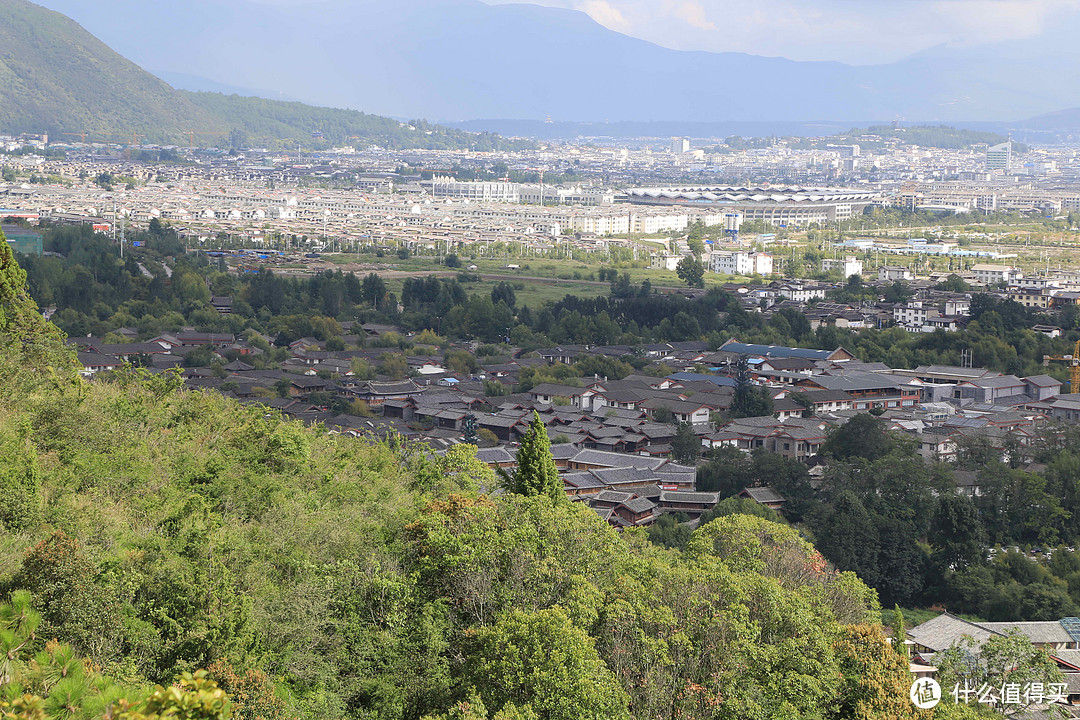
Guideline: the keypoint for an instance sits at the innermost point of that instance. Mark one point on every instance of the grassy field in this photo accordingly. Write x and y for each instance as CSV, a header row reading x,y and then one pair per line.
x,y
571,272
528,267
1034,245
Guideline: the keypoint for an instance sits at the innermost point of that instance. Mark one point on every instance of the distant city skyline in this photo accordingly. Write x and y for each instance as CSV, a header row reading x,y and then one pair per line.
x,y
849,31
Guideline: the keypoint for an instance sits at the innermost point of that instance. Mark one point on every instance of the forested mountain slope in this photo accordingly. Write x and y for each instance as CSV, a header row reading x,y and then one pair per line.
x,y
160,531
57,78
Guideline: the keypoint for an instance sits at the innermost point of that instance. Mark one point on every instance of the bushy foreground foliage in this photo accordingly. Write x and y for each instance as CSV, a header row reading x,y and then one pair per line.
x,y
159,532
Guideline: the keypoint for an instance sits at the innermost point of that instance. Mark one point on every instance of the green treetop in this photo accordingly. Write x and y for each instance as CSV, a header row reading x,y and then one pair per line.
x,y
536,473
691,271
27,341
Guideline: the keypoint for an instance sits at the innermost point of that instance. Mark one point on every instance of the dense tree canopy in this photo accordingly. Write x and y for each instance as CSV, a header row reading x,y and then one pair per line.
x,y
318,576
94,292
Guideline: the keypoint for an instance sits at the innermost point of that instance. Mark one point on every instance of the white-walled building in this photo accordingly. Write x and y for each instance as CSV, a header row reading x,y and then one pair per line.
x,y
802,292
565,195
727,262
490,191
847,266
992,274
957,307
913,316
666,262
1037,282
892,273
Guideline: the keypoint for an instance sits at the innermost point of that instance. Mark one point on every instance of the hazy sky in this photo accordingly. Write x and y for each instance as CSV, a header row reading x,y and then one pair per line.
x,y
854,31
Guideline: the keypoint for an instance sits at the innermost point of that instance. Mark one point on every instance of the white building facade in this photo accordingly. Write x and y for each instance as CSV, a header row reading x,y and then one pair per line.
x,y
727,262
847,266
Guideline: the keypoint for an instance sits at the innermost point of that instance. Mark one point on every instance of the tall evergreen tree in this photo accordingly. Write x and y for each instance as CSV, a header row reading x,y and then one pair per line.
x,y
536,473
686,445
749,400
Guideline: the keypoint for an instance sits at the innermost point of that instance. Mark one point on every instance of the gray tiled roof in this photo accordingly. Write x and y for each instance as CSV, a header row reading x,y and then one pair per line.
x,y
757,422
551,389
494,455
678,496
638,505
563,451
624,475
614,460
89,359
1038,632
613,496
677,478
764,495
1001,381
775,351
947,630
1072,657
582,480
855,381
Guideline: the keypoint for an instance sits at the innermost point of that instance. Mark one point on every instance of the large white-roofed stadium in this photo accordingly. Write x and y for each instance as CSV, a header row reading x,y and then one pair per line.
x,y
775,204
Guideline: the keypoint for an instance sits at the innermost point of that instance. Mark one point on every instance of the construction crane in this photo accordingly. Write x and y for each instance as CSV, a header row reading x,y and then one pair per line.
x,y
192,133
134,137
1074,366
81,136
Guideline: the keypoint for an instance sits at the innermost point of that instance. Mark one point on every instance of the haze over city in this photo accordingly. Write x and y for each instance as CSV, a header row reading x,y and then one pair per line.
x,y
573,360
858,33
613,60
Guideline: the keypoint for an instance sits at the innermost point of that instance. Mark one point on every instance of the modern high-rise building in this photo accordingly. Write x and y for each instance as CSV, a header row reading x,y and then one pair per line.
x,y
680,145
999,157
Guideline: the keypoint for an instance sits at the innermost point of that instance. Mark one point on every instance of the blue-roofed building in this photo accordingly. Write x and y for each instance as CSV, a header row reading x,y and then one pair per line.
x,y
780,351
715,379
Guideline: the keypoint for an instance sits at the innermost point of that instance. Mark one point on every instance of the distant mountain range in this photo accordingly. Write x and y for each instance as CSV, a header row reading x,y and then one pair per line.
x,y
459,60
56,77
1049,128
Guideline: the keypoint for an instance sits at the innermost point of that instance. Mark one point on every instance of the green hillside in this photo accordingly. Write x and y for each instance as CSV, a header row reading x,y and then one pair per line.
x,y
159,532
56,77
939,136
265,121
